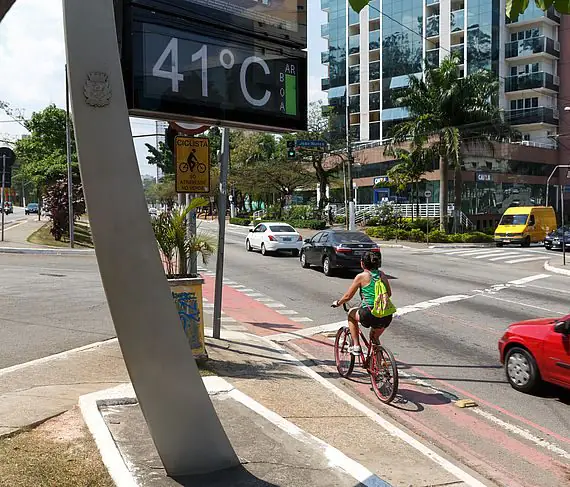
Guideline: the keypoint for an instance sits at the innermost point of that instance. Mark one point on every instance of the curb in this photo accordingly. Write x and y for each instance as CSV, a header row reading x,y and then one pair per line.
x,y
465,246
556,270
45,251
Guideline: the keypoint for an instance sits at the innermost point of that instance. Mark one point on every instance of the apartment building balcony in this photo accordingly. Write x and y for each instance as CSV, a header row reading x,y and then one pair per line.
x,y
459,51
354,44
533,47
531,16
374,101
432,26
354,74
532,81
537,115
325,57
432,58
325,84
457,21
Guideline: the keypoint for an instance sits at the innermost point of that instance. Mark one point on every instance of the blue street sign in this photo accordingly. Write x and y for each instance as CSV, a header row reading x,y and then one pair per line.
x,y
311,144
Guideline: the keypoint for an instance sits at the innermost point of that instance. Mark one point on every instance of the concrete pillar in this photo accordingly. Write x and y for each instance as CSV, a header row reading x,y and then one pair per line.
x,y
180,416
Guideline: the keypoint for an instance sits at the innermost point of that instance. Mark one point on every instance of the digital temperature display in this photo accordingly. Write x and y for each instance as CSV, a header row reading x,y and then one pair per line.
x,y
211,78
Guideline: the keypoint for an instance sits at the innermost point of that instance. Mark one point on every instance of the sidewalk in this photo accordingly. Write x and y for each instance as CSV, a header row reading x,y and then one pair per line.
x,y
556,264
16,235
30,393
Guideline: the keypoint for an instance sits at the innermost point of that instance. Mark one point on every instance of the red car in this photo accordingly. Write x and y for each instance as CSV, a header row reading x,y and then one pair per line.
x,y
537,350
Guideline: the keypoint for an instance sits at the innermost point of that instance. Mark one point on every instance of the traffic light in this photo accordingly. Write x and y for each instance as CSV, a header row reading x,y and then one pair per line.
x,y
291,154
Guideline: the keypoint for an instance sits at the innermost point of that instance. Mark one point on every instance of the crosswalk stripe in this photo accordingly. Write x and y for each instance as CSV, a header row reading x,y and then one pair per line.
x,y
508,255
460,251
489,254
526,259
471,252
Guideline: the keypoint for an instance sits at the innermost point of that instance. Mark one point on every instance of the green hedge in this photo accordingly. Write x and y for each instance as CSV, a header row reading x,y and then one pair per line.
x,y
240,221
311,224
435,236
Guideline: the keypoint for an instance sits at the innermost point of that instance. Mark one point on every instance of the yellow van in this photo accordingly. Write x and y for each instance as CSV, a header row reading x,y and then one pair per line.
x,y
525,225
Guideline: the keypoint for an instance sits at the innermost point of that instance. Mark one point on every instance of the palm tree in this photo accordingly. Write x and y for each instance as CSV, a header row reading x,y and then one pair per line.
x,y
411,167
447,113
175,242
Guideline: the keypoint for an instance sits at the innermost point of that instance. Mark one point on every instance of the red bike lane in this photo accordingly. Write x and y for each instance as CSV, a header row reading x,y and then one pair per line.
x,y
428,411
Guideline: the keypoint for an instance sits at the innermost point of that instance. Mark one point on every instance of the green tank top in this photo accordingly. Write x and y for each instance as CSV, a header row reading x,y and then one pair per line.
x,y
368,292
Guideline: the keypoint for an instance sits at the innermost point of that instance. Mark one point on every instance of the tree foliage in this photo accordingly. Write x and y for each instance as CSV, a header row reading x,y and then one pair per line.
x,y
56,206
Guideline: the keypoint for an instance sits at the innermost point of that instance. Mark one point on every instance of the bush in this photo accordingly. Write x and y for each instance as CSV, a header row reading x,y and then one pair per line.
x,y
300,212
417,235
340,219
373,221
240,221
477,237
438,236
456,238
312,224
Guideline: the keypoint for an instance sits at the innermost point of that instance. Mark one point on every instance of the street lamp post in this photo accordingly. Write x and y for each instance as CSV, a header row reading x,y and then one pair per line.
x,y
567,166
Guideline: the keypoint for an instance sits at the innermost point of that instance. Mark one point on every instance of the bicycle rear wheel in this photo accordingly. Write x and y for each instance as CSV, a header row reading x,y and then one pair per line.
x,y
383,374
343,358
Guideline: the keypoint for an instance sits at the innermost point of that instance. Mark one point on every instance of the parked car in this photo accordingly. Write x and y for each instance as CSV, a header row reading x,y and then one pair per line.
x,y
336,249
525,225
8,207
537,350
273,237
32,208
553,241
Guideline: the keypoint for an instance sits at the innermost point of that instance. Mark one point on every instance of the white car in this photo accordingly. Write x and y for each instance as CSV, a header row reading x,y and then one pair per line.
x,y
273,237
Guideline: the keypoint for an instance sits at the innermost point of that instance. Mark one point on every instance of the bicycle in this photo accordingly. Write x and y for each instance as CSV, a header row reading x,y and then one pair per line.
x,y
379,362
184,167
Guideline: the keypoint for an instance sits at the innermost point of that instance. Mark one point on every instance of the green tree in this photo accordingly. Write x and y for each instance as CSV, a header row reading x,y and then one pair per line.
x,y
42,155
161,157
448,112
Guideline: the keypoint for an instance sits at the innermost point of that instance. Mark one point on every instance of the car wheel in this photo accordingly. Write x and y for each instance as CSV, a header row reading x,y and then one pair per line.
x,y
303,259
526,242
295,253
499,244
263,250
327,267
248,246
521,369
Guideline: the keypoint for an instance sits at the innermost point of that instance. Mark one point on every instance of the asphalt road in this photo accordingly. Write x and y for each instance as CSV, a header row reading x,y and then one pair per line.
x,y
449,351
18,215
49,304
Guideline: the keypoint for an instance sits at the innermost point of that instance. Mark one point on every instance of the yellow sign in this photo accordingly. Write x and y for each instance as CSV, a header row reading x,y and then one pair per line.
x,y
192,159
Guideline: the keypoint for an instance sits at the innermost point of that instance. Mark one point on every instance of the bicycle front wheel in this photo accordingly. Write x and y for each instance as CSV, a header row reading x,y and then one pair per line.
x,y
343,358
383,374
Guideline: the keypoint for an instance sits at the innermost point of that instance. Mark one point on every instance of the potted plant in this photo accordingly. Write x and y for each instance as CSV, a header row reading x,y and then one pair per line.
x,y
177,245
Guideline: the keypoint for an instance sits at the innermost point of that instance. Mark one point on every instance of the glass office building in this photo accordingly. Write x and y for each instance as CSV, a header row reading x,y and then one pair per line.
x,y
371,56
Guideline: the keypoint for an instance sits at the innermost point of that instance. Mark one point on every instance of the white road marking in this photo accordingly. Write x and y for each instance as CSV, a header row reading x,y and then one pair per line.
x,y
305,332
388,426
255,295
526,259
549,289
506,256
286,312
246,290
14,226
526,305
489,254
264,300
526,280
275,305
524,433
301,319
470,252
490,417
335,457
238,287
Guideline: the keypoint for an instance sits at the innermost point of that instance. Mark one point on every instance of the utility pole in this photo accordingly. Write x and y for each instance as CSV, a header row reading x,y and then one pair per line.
x,y
350,217
69,170
3,190
222,207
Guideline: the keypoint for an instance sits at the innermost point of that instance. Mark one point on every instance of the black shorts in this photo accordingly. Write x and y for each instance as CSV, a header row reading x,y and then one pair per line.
x,y
368,320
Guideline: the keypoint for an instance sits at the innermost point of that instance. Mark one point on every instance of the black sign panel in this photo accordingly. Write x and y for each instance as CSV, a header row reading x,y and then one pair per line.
x,y
7,177
175,68
284,21
7,156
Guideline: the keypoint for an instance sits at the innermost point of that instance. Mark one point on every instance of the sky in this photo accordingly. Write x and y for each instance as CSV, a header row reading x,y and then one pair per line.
x,y
32,66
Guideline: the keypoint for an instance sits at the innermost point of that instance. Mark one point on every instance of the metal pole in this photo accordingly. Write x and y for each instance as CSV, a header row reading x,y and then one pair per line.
x,y
2,198
69,171
345,195
562,224
193,264
222,206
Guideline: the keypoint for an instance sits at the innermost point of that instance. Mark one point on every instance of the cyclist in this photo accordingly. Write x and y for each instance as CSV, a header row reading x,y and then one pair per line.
x,y
365,282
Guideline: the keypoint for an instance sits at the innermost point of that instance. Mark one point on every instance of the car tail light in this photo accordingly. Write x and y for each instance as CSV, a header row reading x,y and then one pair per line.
x,y
300,239
342,250
375,249
272,238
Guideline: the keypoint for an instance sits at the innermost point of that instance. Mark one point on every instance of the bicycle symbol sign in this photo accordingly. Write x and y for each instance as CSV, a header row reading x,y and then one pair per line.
x,y
192,157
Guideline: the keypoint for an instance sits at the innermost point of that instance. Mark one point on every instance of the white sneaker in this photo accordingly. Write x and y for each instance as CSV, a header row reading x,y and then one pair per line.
x,y
355,350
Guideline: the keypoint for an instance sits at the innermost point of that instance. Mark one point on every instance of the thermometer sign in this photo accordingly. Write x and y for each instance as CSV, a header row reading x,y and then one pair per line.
x,y
213,77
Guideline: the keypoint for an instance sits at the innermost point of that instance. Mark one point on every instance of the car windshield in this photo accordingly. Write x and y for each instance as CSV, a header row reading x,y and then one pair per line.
x,y
513,220
345,237
33,205
281,229
565,230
